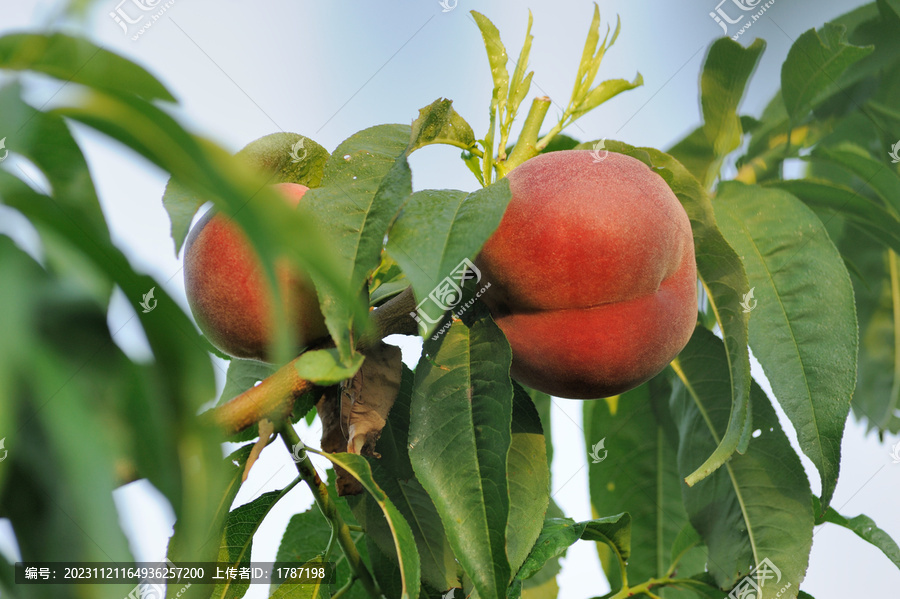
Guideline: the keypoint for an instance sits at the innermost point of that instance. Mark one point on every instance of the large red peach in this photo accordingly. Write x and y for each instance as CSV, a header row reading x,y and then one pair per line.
x,y
226,288
592,272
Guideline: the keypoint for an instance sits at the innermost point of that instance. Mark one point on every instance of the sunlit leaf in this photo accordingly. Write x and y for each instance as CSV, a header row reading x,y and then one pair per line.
x,y
803,325
460,431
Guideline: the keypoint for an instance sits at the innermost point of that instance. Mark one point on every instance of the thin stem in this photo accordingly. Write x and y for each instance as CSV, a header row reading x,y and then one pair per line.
x,y
644,587
344,589
526,146
329,510
330,547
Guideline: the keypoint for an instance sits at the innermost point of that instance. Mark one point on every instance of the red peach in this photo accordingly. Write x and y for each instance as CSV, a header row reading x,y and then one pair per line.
x,y
226,288
592,272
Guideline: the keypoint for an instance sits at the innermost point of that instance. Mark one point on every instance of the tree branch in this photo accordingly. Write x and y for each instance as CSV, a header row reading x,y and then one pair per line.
x,y
274,397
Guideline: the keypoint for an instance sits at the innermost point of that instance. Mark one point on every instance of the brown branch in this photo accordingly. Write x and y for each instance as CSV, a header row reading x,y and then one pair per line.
x,y
274,397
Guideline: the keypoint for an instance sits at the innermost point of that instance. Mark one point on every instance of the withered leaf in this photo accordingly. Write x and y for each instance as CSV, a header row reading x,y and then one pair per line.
x,y
367,398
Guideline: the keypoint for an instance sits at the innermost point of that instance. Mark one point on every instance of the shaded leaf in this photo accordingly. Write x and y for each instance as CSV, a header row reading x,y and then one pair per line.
x,y
78,60
241,375
877,292
883,181
813,64
864,212
528,470
237,539
695,153
638,473
307,535
558,534
757,505
393,472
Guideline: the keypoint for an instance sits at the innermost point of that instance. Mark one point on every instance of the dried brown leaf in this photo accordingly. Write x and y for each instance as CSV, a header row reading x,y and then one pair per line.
x,y
367,398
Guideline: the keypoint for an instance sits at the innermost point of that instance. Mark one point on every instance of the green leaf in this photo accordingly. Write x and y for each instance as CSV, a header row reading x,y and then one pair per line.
x,y
803,330
45,140
181,204
273,228
587,54
881,179
696,154
433,235
701,585
862,211
286,158
280,157
60,375
813,65
394,473
242,375
301,590
723,276
878,304
757,505
528,470
542,403
387,281
497,58
866,529
367,179
439,123
591,57
181,368
686,540
404,541
638,473
77,60
324,367
520,83
726,71
606,90
306,538
559,533
237,540
460,437
542,584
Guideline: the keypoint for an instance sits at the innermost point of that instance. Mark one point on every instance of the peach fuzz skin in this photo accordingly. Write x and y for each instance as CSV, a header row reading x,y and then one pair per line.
x,y
593,275
227,292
